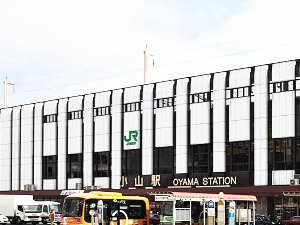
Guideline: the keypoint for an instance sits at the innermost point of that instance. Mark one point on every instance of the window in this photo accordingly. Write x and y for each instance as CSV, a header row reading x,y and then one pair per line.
x,y
131,162
101,164
50,118
282,86
239,92
72,207
102,111
75,115
164,160
50,167
200,97
131,107
282,153
134,209
199,158
163,102
239,156
74,165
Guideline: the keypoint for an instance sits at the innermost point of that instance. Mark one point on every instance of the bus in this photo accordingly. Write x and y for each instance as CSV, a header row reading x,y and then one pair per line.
x,y
204,208
106,208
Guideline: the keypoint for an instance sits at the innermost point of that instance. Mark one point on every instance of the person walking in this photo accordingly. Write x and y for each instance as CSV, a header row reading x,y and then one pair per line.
x,y
52,216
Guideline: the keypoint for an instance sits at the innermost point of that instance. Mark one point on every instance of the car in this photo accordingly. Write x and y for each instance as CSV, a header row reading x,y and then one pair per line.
x,y
3,219
154,219
262,220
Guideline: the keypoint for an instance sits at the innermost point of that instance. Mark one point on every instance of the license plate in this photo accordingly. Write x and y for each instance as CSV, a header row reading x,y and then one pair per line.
x,y
34,219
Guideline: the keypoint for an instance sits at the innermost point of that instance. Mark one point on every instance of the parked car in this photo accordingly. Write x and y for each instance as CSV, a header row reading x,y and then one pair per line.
x,y
154,219
294,220
3,219
262,220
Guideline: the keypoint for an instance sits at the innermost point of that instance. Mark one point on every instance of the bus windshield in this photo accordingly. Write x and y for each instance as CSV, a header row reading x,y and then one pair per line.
x,y
72,207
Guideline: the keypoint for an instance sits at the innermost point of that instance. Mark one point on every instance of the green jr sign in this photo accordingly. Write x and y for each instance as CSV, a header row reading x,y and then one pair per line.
x,y
132,137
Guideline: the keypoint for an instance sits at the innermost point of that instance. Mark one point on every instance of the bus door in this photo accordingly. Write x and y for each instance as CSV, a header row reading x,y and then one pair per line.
x,y
113,213
117,210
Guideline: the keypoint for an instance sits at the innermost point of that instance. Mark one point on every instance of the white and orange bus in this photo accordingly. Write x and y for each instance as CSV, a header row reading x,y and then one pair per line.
x,y
110,208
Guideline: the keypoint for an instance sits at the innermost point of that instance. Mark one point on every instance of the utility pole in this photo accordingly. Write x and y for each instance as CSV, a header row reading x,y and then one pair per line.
x,y
5,92
146,65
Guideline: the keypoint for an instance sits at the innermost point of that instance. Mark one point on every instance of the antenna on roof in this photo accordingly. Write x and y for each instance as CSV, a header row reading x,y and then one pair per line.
x,y
5,91
146,64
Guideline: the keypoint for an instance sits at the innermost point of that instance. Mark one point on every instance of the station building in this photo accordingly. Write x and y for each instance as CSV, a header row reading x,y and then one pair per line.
x,y
235,131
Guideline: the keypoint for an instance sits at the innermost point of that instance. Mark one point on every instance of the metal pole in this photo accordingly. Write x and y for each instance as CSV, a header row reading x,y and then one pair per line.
x,y
5,94
145,65
204,212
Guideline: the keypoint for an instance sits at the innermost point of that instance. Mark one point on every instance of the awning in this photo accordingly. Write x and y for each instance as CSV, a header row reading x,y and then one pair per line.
x,y
206,196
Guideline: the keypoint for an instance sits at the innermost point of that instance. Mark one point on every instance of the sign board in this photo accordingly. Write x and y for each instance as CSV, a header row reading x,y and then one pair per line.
x,y
210,204
211,212
231,210
220,202
100,210
70,192
162,198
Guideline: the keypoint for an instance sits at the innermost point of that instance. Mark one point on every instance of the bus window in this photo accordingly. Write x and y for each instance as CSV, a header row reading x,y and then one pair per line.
x,y
137,209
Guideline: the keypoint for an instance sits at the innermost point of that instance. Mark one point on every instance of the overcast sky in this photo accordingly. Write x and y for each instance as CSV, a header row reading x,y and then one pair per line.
x,y
53,49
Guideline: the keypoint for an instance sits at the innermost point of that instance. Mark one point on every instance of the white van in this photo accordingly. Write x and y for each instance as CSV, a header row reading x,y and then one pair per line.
x,y
45,207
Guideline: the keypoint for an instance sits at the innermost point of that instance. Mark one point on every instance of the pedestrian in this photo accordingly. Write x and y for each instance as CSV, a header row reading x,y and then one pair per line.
x,y
52,216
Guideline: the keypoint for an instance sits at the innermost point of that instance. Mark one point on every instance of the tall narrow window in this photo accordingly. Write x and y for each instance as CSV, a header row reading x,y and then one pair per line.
x,y
131,163
74,165
283,151
239,156
50,167
199,158
164,160
101,164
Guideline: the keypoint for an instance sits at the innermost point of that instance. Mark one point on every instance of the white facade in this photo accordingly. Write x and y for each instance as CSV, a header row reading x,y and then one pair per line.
x,y
235,109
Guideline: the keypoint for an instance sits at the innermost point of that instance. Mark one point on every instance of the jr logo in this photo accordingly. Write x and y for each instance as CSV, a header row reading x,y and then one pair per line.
x,y
132,135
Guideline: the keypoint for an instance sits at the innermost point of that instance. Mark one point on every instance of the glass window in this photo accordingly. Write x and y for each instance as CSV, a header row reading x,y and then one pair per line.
x,y
240,92
75,115
74,165
50,118
278,87
199,159
161,156
131,162
234,93
101,164
163,102
246,91
72,207
282,152
239,156
50,167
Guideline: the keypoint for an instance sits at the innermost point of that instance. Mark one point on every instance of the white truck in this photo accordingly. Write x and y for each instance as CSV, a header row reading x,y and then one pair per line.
x,y
20,209
45,207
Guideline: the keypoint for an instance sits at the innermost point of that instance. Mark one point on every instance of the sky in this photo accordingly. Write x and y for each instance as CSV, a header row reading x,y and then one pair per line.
x,y
52,49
